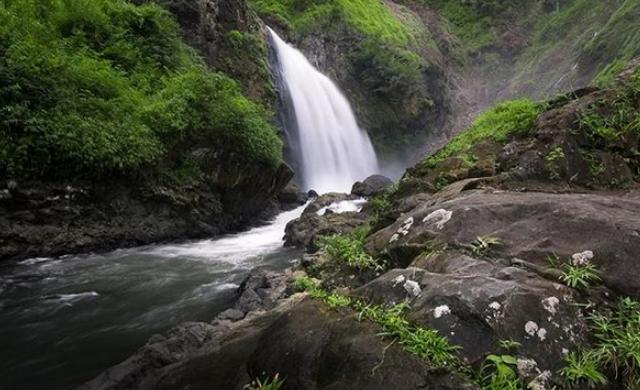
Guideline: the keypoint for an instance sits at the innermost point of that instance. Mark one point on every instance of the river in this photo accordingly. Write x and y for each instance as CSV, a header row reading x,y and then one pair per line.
x,y
63,320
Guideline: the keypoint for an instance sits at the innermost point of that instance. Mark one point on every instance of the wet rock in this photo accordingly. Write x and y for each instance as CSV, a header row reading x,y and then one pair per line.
x,y
371,186
291,197
303,231
261,290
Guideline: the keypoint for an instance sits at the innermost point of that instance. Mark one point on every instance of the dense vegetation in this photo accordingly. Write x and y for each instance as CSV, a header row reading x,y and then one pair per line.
x,y
96,87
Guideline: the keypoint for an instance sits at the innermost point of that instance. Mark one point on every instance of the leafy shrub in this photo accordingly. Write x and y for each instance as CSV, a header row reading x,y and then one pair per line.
x,y
88,87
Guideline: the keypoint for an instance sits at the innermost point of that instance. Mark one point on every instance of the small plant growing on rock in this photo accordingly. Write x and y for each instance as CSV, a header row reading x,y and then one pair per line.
x,y
579,276
552,159
350,250
509,344
617,349
498,372
304,283
274,383
583,368
482,244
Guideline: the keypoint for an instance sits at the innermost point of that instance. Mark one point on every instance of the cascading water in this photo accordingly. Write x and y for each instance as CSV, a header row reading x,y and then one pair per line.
x,y
331,150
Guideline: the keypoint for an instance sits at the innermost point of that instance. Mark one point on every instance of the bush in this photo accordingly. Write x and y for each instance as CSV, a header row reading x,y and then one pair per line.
x,y
95,87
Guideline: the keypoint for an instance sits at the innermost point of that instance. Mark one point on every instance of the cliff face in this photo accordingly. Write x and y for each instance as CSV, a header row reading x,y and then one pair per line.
x,y
453,59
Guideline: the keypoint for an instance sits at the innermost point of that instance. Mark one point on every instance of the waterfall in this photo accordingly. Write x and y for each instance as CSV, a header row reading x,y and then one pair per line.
x,y
331,151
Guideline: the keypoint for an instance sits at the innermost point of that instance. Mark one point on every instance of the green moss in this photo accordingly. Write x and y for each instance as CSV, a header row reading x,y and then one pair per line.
x,y
94,87
501,123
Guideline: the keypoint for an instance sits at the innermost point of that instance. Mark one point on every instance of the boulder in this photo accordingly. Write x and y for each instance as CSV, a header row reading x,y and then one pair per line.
x,y
317,219
307,344
530,226
291,197
371,186
475,304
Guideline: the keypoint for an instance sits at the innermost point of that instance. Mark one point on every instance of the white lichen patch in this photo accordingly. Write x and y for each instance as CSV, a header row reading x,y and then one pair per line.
x,y
582,258
440,217
551,305
527,367
496,306
441,311
541,382
531,328
403,230
412,288
542,334
399,280
406,226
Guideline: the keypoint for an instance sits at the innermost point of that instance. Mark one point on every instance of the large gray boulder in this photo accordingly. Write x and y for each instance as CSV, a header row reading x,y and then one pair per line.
x,y
371,186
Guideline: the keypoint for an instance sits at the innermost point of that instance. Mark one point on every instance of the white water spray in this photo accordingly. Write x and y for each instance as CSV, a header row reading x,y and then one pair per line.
x,y
334,151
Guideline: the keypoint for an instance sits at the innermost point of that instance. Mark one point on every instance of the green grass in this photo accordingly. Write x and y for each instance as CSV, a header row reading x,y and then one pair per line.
x,y
91,88
274,383
427,344
474,26
616,349
348,249
501,123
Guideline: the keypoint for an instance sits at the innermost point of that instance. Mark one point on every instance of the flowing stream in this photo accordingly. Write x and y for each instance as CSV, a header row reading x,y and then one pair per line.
x,y
331,150
64,320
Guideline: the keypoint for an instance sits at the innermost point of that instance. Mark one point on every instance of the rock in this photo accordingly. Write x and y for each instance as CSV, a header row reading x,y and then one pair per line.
x,y
291,197
372,186
475,304
530,226
308,345
261,290
312,194
231,314
303,231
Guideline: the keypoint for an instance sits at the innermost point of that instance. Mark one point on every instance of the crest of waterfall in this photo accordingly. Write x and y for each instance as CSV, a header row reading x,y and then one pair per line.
x,y
330,149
